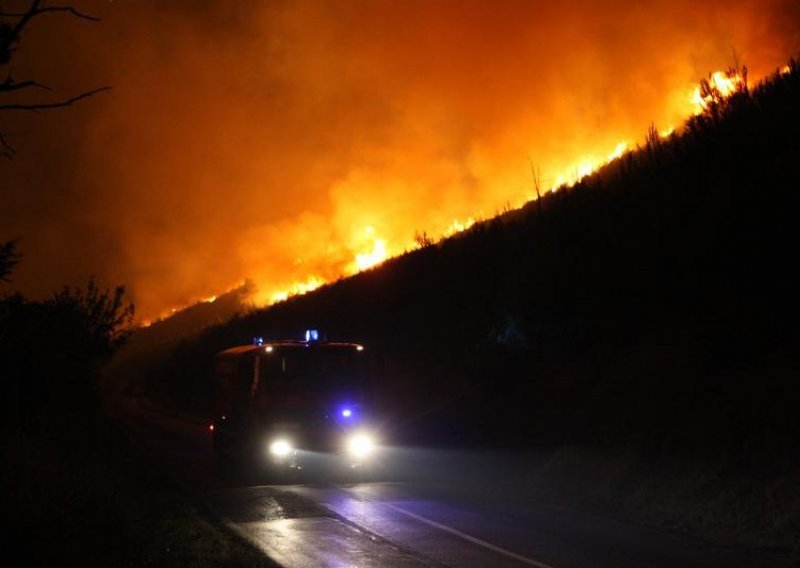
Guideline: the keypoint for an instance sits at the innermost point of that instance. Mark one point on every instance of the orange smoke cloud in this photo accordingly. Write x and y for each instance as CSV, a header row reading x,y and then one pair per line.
x,y
294,143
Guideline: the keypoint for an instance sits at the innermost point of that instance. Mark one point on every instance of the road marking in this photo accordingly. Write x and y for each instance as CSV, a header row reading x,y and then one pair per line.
x,y
456,532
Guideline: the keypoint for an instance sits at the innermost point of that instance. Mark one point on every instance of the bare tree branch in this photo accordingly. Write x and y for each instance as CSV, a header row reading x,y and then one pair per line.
x,y
12,34
35,107
12,26
10,85
38,11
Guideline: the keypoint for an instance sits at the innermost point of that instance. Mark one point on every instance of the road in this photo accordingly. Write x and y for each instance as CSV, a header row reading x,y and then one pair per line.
x,y
418,508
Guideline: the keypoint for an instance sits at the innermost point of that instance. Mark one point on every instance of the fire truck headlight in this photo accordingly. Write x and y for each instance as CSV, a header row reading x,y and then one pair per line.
x,y
360,445
280,448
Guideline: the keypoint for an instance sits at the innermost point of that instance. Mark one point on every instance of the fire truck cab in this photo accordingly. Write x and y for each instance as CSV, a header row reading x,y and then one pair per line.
x,y
282,402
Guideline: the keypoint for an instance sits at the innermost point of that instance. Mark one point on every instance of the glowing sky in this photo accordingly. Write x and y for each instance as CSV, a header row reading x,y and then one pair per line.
x,y
278,141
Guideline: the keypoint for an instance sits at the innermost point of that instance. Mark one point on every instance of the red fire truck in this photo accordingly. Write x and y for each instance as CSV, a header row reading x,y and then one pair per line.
x,y
282,402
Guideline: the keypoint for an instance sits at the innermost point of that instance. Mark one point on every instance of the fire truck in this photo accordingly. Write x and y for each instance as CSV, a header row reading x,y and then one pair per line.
x,y
281,403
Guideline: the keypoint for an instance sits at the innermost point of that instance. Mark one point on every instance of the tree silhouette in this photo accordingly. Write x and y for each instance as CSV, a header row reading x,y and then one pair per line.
x,y
101,318
9,258
51,351
50,355
12,26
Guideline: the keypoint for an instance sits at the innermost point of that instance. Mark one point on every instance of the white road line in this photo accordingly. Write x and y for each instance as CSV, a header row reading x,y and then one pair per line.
x,y
458,533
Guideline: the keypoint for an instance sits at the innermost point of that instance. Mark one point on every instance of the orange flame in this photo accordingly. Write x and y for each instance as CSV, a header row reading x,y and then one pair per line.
x,y
459,226
375,243
378,250
297,289
587,166
375,254
720,85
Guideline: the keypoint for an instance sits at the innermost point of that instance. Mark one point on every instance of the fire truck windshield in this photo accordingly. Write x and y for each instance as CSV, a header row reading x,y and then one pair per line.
x,y
312,369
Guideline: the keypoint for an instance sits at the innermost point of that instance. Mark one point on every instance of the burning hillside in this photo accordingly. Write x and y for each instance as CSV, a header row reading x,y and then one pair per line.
x,y
719,86
291,144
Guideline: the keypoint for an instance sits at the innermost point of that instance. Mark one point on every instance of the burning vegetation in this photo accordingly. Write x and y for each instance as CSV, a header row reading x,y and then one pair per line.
x,y
370,250
337,134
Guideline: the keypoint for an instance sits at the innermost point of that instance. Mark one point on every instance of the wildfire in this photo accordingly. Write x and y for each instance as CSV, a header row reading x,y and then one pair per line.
x,y
667,132
719,85
375,243
376,254
459,226
297,289
588,166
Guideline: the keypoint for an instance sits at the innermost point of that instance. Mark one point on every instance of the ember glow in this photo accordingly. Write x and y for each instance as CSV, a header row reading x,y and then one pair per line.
x,y
292,143
295,289
375,254
720,84
587,166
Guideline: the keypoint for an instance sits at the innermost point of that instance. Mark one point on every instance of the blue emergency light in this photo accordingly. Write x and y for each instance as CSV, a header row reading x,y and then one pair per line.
x,y
312,335
258,341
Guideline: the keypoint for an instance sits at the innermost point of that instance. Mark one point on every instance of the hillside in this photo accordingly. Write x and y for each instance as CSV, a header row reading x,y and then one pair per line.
x,y
640,326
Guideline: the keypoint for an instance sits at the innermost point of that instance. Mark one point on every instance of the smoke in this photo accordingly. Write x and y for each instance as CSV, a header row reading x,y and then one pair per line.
x,y
276,141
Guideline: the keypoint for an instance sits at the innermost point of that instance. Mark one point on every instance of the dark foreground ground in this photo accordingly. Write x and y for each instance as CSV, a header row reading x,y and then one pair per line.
x,y
150,498
105,507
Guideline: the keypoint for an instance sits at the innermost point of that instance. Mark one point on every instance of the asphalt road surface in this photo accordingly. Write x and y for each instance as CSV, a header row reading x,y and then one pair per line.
x,y
415,508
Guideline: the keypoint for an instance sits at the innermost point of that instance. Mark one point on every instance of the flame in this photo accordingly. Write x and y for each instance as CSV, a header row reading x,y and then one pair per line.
x,y
415,118
381,236
297,289
720,85
587,166
459,226
375,255
370,249
377,250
